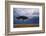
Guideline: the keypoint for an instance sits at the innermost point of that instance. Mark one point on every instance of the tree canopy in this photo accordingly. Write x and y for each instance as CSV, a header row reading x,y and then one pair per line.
x,y
22,17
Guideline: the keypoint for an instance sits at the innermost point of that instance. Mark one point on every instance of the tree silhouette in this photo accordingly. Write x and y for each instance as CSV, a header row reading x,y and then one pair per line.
x,y
22,17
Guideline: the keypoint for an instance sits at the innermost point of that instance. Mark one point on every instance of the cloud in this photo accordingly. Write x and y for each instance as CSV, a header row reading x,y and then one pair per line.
x,y
29,12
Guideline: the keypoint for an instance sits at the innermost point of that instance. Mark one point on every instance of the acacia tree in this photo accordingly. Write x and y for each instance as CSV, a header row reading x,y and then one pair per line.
x,y
22,17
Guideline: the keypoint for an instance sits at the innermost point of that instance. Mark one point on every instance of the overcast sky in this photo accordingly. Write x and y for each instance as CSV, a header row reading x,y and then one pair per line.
x,y
29,12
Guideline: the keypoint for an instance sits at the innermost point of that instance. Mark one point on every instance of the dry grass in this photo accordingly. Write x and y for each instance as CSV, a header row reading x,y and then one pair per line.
x,y
25,25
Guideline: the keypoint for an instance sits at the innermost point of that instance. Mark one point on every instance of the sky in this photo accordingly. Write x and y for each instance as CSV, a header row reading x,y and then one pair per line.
x,y
29,12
